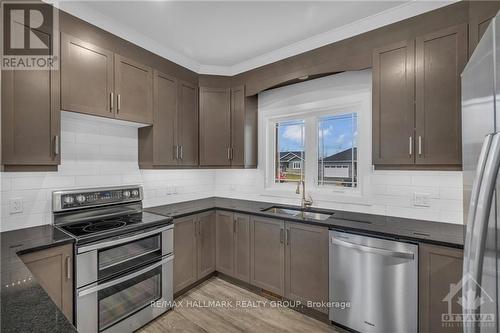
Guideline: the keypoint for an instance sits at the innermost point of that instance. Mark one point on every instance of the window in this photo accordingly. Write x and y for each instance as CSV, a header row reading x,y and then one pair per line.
x,y
337,150
289,151
320,148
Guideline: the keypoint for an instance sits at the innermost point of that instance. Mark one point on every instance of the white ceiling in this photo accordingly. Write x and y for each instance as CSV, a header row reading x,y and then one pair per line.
x,y
229,37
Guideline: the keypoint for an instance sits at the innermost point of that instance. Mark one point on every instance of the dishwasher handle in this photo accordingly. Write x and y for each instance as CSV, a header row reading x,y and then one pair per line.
x,y
374,250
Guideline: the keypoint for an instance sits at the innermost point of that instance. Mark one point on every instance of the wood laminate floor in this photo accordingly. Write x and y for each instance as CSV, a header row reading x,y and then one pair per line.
x,y
217,306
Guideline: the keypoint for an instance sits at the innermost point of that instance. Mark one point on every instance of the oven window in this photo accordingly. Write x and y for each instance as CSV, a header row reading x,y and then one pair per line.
x,y
126,256
122,300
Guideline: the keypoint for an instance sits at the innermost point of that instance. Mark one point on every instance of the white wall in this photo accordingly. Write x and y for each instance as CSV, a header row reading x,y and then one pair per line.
x,y
382,192
95,152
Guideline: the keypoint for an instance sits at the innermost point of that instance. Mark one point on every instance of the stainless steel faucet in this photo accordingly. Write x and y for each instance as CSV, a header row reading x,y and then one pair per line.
x,y
304,203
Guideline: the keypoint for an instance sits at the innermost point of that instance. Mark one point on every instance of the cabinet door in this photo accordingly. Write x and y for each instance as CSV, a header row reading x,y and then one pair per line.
x,y
238,126
440,58
267,261
30,119
225,243
165,116
439,268
53,269
187,116
306,264
185,266
215,127
134,90
481,13
206,243
393,111
86,78
242,247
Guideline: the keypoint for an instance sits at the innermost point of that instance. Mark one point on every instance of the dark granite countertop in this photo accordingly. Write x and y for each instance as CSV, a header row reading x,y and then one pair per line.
x,y
25,306
440,233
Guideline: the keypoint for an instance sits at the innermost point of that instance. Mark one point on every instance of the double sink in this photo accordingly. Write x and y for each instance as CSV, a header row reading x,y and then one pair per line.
x,y
298,213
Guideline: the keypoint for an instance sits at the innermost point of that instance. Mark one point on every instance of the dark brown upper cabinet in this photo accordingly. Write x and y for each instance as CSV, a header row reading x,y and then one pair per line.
x,y
228,128
102,83
393,110
87,83
172,141
134,90
480,15
30,119
187,124
416,101
440,59
215,127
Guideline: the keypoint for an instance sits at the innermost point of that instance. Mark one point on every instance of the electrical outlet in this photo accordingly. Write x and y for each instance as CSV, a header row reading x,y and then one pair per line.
x,y
422,200
15,205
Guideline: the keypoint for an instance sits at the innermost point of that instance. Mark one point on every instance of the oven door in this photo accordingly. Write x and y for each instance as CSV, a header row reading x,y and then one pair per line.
x,y
125,303
106,259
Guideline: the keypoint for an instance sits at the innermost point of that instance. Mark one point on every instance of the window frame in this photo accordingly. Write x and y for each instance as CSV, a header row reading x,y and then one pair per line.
x,y
311,125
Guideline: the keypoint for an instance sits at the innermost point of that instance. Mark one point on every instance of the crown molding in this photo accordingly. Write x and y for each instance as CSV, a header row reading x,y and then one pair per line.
x,y
392,15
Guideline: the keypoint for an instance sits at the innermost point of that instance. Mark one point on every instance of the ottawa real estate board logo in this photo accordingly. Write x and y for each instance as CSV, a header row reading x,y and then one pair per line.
x,y
468,304
30,35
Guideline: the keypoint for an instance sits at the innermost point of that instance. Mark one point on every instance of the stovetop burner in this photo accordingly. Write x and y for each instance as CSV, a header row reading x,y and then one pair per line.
x,y
103,226
99,228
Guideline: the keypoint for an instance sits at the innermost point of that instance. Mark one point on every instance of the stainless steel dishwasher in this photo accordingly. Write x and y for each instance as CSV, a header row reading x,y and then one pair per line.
x,y
373,284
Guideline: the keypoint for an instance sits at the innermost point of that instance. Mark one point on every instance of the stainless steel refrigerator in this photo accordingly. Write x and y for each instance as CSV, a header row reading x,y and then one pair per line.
x,y
481,161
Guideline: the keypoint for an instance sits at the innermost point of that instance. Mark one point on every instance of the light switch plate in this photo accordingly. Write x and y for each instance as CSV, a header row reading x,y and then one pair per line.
x,y
422,199
15,205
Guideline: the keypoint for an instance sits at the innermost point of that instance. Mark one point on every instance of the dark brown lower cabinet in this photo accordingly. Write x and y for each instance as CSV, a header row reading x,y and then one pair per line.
x,y
306,264
267,254
439,267
53,269
205,242
225,242
242,247
185,264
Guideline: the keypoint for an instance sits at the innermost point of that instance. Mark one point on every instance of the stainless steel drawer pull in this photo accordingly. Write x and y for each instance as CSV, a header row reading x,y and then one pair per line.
x,y
92,290
176,154
228,153
122,240
287,236
111,101
374,250
410,146
118,102
181,152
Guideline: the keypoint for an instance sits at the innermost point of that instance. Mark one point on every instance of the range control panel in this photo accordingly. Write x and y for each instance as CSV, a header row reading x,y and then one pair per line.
x,y
64,200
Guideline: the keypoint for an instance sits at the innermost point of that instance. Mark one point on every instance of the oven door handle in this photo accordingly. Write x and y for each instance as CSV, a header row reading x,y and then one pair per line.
x,y
113,242
105,285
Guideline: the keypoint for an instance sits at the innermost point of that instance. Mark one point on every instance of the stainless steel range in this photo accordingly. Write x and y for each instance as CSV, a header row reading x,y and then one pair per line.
x,y
124,257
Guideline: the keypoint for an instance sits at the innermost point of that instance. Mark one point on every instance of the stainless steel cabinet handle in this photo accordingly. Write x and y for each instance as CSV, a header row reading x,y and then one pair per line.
x,y
281,235
287,236
232,154
181,152
176,154
56,145
228,153
68,268
118,102
122,240
94,289
410,145
111,101
419,145
375,250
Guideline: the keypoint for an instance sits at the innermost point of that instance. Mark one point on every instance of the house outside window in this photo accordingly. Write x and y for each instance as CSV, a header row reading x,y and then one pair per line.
x,y
289,151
